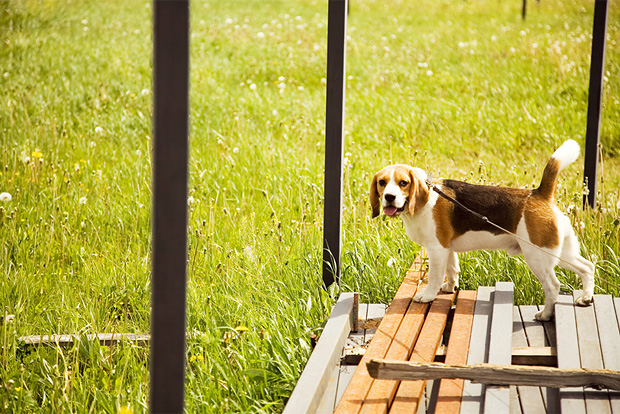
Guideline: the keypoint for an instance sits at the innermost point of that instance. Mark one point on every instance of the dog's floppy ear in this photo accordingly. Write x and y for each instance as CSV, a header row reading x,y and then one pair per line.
x,y
418,193
375,202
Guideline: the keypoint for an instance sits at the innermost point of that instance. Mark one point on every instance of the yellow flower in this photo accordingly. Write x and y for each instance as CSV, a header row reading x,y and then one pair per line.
x,y
37,154
242,328
125,409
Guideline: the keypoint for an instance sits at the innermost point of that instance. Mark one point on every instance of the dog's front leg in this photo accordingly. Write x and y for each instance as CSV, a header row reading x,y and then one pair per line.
x,y
437,262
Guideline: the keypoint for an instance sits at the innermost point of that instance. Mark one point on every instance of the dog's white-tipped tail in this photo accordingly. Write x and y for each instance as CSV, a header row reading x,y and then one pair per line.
x,y
566,154
561,158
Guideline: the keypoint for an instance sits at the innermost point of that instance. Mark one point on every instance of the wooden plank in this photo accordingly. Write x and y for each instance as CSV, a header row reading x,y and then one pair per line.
x,y
473,394
495,374
408,395
450,390
497,399
359,386
571,399
105,339
344,378
325,358
609,335
528,398
327,400
534,329
550,335
590,353
381,392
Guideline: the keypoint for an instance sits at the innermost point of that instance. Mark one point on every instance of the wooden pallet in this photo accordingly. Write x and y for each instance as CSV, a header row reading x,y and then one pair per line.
x,y
471,327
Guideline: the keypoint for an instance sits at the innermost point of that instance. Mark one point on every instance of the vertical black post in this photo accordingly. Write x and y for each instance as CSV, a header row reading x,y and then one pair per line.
x,y
170,169
334,139
597,64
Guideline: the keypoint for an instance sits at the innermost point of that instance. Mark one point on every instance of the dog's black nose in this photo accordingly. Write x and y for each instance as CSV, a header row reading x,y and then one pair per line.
x,y
389,197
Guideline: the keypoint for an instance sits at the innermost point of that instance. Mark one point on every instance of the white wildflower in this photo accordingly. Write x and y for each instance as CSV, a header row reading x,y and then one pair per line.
x,y
236,150
391,262
5,197
190,200
83,200
253,86
429,73
228,21
144,92
98,130
260,35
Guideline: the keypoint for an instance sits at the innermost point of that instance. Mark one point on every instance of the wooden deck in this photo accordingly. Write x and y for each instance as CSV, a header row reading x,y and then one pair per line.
x,y
469,327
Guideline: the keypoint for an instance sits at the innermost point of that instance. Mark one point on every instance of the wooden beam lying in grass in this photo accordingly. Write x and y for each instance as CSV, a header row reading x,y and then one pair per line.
x,y
496,374
105,339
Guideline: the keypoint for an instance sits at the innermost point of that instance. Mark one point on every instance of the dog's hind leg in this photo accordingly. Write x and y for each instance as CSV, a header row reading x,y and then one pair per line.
x,y
452,274
573,261
542,268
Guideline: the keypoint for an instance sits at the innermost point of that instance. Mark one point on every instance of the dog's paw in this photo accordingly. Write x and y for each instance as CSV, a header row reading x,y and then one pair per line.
x,y
584,300
448,287
424,297
542,316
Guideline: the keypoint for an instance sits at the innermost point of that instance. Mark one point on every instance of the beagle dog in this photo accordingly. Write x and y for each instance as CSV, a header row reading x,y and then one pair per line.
x,y
544,235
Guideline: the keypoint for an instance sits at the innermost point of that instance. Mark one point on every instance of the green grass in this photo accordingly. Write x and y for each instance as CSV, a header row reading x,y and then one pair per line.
x,y
465,89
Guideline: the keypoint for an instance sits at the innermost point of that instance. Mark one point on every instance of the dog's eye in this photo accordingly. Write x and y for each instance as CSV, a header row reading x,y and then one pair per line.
x,y
382,183
403,183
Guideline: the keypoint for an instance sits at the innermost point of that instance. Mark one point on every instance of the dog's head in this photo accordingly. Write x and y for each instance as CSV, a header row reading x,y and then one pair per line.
x,y
398,188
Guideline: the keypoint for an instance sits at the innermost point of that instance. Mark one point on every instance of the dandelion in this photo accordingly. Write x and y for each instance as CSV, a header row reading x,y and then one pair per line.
x,y
228,21
429,73
391,262
300,88
274,112
242,328
98,130
493,38
253,87
37,154
190,200
82,200
144,92
282,85
138,153
5,197
125,409
236,150
260,35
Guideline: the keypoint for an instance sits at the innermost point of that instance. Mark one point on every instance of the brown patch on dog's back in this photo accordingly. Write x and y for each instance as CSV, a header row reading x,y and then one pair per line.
x,y
501,205
541,222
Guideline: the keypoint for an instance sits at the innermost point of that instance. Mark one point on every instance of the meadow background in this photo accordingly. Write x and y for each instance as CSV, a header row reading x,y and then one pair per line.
x,y
466,90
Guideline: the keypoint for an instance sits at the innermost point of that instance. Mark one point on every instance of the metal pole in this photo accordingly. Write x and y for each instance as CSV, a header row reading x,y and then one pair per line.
x,y
597,64
169,233
334,142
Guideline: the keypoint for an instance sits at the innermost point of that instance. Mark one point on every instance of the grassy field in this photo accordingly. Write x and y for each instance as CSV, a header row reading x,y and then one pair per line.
x,y
466,90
